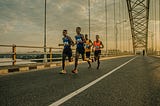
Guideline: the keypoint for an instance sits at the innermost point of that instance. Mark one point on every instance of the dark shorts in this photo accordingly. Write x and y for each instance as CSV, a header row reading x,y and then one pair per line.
x,y
88,54
97,53
67,52
80,51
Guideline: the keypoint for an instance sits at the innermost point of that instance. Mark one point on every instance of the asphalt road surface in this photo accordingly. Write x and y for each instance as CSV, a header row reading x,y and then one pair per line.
x,y
136,83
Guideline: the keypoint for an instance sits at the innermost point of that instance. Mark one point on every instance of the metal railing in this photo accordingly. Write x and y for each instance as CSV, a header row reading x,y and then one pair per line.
x,y
153,52
50,52
14,52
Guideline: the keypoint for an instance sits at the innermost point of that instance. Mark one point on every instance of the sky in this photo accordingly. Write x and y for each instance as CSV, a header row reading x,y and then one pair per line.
x,y
22,21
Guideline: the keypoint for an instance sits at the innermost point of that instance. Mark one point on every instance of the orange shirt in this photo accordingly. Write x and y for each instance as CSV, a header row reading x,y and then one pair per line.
x,y
87,44
97,45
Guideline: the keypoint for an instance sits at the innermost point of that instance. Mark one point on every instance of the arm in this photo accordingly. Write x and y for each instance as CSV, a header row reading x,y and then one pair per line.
x,y
75,41
72,43
102,45
60,44
93,48
83,40
91,44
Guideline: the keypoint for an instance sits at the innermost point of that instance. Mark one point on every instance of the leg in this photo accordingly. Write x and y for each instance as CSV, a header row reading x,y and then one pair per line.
x,y
70,55
98,62
83,57
76,60
95,55
63,64
63,61
95,58
89,56
69,59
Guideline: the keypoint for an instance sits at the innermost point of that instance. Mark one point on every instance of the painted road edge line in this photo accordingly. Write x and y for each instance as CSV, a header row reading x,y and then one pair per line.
x,y
69,96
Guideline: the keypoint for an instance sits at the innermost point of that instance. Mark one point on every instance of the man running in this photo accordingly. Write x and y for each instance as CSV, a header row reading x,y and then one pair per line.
x,y
88,45
67,51
97,46
79,49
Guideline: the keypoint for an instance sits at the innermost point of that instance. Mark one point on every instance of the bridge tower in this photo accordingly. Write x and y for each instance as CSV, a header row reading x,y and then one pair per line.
x,y
139,16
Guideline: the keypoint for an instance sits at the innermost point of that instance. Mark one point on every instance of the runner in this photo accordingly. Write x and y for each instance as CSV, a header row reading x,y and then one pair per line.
x,y
67,51
88,45
97,46
79,49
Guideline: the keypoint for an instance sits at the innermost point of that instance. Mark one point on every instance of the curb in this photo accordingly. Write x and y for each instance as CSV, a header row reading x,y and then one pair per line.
x,y
44,66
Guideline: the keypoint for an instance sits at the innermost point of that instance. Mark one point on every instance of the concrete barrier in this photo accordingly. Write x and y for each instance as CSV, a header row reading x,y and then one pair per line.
x,y
40,67
3,71
23,69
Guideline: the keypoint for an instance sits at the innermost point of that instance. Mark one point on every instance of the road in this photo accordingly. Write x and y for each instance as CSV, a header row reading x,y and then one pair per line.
x,y
137,83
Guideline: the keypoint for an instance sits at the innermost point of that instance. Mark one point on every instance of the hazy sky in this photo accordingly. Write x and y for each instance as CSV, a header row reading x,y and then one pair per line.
x,y
22,21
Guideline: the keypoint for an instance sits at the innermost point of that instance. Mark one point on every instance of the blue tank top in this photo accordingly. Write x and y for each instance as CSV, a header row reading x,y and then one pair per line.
x,y
78,40
66,42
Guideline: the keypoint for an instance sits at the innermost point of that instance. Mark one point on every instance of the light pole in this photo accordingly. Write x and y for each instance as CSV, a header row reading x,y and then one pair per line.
x,y
89,18
45,55
106,25
116,33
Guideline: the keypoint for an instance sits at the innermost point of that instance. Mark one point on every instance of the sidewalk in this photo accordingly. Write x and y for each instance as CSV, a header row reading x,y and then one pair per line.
x,y
157,56
40,66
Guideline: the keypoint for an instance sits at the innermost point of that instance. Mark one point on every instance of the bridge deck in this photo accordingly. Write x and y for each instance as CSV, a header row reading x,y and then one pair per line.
x,y
135,84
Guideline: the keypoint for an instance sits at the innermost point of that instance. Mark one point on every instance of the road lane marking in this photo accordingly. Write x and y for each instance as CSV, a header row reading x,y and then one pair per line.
x,y
69,96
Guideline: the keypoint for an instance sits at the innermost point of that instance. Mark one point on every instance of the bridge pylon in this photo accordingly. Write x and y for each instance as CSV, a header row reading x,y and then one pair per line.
x,y
139,17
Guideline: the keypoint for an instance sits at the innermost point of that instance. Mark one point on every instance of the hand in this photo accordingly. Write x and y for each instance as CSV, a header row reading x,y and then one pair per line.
x,y
93,49
80,41
60,44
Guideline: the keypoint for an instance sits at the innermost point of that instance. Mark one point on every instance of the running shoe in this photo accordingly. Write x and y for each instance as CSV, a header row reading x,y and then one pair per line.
x,y
63,72
92,60
75,71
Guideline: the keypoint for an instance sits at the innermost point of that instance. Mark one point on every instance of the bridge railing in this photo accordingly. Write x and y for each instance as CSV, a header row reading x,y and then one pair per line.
x,y
153,52
31,56
15,57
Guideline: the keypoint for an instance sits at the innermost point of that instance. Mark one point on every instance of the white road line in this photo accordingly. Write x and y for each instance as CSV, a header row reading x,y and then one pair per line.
x,y
69,96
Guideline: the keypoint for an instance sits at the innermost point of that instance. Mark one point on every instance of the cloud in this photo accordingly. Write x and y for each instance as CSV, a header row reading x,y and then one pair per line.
x,y
22,21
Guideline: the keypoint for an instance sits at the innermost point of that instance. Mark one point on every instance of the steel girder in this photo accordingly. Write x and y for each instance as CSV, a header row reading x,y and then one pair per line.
x,y
139,16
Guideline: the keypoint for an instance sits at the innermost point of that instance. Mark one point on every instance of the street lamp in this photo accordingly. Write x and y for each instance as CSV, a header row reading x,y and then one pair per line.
x,y
89,18
45,55
116,33
106,26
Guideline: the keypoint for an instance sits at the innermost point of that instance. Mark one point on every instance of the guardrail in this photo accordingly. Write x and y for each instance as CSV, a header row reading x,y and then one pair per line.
x,y
14,52
49,53
157,53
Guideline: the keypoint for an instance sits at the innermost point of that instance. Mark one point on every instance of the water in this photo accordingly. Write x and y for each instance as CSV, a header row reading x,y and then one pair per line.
x,y
5,61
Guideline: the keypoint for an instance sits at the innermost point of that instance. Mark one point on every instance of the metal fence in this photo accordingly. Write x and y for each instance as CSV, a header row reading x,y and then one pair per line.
x,y
13,54
53,54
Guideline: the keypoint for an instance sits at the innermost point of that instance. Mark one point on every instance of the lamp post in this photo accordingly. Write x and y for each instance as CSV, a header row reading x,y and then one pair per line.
x,y
89,18
106,26
45,55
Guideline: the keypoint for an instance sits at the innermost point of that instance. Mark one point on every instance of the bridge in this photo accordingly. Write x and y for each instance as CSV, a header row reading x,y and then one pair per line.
x,y
29,75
